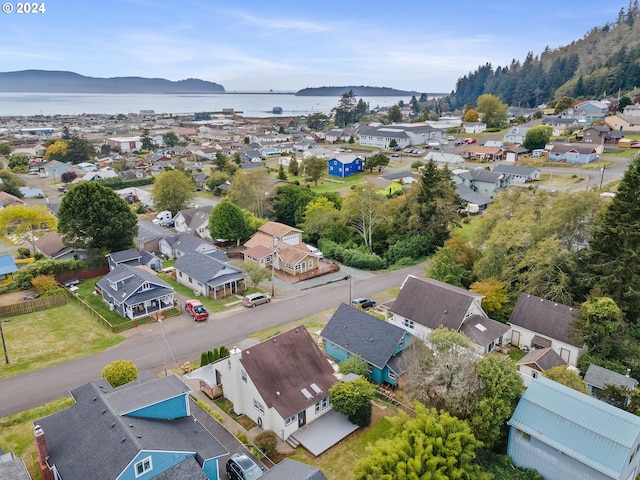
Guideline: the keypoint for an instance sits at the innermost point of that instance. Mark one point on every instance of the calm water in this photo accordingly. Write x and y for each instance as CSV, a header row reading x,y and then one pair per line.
x,y
251,104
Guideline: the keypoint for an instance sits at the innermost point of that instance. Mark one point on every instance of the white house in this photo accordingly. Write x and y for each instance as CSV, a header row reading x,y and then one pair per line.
x,y
536,362
474,127
125,144
540,323
281,384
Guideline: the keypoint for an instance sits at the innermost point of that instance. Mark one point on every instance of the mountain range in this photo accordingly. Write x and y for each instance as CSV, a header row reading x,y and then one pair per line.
x,y
44,81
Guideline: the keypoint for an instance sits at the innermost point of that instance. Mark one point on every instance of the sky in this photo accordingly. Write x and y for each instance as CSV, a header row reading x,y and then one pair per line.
x,y
287,45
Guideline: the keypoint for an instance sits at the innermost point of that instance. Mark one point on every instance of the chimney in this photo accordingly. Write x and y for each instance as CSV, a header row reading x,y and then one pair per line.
x,y
43,454
628,372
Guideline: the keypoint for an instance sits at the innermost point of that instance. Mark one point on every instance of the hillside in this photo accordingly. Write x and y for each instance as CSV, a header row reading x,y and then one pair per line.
x,y
604,62
360,91
43,81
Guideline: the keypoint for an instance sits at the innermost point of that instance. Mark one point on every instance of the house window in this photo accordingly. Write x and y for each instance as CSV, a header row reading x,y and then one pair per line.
x,y
229,364
369,368
392,375
143,467
310,264
180,274
290,420
534,374
325,402
318,407
190,280
409,323
258,406
243,375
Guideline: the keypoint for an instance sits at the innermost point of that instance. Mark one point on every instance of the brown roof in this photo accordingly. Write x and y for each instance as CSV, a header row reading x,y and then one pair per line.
x,y
6,199
293,254
284,366
433,303
277,229
542,359
50,243
260,238
261,242
259,251
546,318
483,149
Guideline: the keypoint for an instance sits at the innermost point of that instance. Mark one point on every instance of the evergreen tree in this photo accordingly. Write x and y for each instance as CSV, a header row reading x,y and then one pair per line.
x,y
612,265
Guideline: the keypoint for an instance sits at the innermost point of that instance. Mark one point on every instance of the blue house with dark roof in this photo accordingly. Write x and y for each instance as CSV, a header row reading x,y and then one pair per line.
x,y
138,431
565,434
351,331
342,166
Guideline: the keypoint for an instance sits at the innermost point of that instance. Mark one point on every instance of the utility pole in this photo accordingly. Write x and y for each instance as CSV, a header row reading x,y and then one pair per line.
x,y
601,176
4,346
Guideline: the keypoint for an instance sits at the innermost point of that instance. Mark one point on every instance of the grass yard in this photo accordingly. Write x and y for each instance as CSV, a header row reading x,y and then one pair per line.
x,y
16,433
68,332
467,230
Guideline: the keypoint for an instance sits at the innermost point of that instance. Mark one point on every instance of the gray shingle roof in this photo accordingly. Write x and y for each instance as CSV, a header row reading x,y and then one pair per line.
x,y
432,303
125,255
293,470
133,278
364,335
543,358
547,318
600,377
470,196
205,268
513,170
489,329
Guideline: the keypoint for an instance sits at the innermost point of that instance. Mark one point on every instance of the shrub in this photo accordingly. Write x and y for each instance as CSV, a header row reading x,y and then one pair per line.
x,y
414,247
120,373
224,352
204,359
186,367
216,355
210,356
267,442
242,437
24,252
22,278
45,285
354,364
364,261
141,209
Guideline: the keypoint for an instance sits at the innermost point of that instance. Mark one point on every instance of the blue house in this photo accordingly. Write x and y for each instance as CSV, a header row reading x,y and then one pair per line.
x,y
135,292
138,431
7,268
344,166
352,331
563,434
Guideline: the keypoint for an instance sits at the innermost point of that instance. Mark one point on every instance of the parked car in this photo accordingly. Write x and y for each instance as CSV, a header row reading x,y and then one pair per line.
x,y
254,299
316,252
469,140
363,303
241,467
196,310
451,138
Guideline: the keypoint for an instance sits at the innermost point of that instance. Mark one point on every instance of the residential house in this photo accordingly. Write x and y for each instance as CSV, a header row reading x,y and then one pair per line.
x,y
135,292
200,180
574,152
345,165
134,258
404,134
99,175
7,268
52,246
623,123
175,246
559,125
540,323
150,236
474,127
279,245
451,161
87,167
293,470
133,174
194,220
600,134
516,134
473,201
55,169
209,275
12,467
142,430
251,156
485,182
597,378
594,110
281,383
8,200
519,175
353,332
512,154
563,434
577,114
482,153
425,304
125,144
536,362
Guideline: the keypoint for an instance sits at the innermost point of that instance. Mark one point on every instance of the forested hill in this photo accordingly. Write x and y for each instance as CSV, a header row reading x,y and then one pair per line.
x,y
602,63
43,81
358,91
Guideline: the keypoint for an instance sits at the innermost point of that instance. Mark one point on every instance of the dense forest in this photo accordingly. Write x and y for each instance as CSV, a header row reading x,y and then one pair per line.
x,y
362,91
604,62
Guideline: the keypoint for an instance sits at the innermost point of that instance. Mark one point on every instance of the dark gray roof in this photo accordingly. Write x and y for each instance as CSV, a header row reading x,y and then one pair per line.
x,y
397,175
125,255
543,358
132,397
471,196
188,469
600,377
293,470
489,330
134,278
13,468
364,335
188,242
198,214
206,268
433,303
513,170
149,231
546,318
481,175
89,440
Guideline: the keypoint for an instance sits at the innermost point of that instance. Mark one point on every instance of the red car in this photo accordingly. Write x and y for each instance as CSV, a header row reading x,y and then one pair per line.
x,y
469,140
196,310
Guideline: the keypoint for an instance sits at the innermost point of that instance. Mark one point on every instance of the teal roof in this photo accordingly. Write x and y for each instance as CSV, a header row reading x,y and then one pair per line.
x,y
7,265
594,432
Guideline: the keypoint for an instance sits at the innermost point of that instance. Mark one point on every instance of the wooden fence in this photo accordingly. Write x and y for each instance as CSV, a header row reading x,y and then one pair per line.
x,y
35,305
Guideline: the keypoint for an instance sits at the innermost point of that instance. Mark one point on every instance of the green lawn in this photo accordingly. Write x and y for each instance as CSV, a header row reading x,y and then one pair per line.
x,y
467,230
68,332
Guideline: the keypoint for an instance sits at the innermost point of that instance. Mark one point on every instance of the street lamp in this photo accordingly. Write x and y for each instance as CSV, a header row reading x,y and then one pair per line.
x,y
350,278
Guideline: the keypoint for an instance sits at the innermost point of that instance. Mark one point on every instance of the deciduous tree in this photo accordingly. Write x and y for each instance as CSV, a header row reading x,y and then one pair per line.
x,y
120,373
318,214
256,273
361,211
493,111
227,222
170,139
173,191
26,222
252,190
313,168
567,377
537,137
599,318
471,115
94,217
379,161
289,202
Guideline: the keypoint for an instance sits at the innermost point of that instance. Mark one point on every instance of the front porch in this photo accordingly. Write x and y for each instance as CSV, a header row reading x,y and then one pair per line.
x,y
148,307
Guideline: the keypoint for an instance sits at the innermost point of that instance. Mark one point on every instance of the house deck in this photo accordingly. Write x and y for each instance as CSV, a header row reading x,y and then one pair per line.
x,y
325,432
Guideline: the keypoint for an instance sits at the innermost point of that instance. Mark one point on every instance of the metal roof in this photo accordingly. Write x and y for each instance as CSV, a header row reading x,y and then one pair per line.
x,y
580,426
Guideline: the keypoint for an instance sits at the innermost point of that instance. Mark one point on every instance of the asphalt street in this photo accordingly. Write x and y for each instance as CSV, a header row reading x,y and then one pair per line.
x,y
177,340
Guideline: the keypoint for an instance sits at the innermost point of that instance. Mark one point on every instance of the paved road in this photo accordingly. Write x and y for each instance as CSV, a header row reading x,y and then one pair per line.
x,y
186,339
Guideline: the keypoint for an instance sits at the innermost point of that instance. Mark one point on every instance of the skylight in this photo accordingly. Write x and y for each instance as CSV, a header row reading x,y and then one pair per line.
x,y
315,388
306,393
482,328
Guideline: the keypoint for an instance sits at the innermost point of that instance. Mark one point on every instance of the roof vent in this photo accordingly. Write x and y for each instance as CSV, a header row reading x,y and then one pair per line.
x,y
113,424
278,393
445,312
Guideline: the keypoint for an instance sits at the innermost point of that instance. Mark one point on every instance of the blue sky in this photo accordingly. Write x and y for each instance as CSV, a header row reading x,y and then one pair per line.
x,y
421,45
